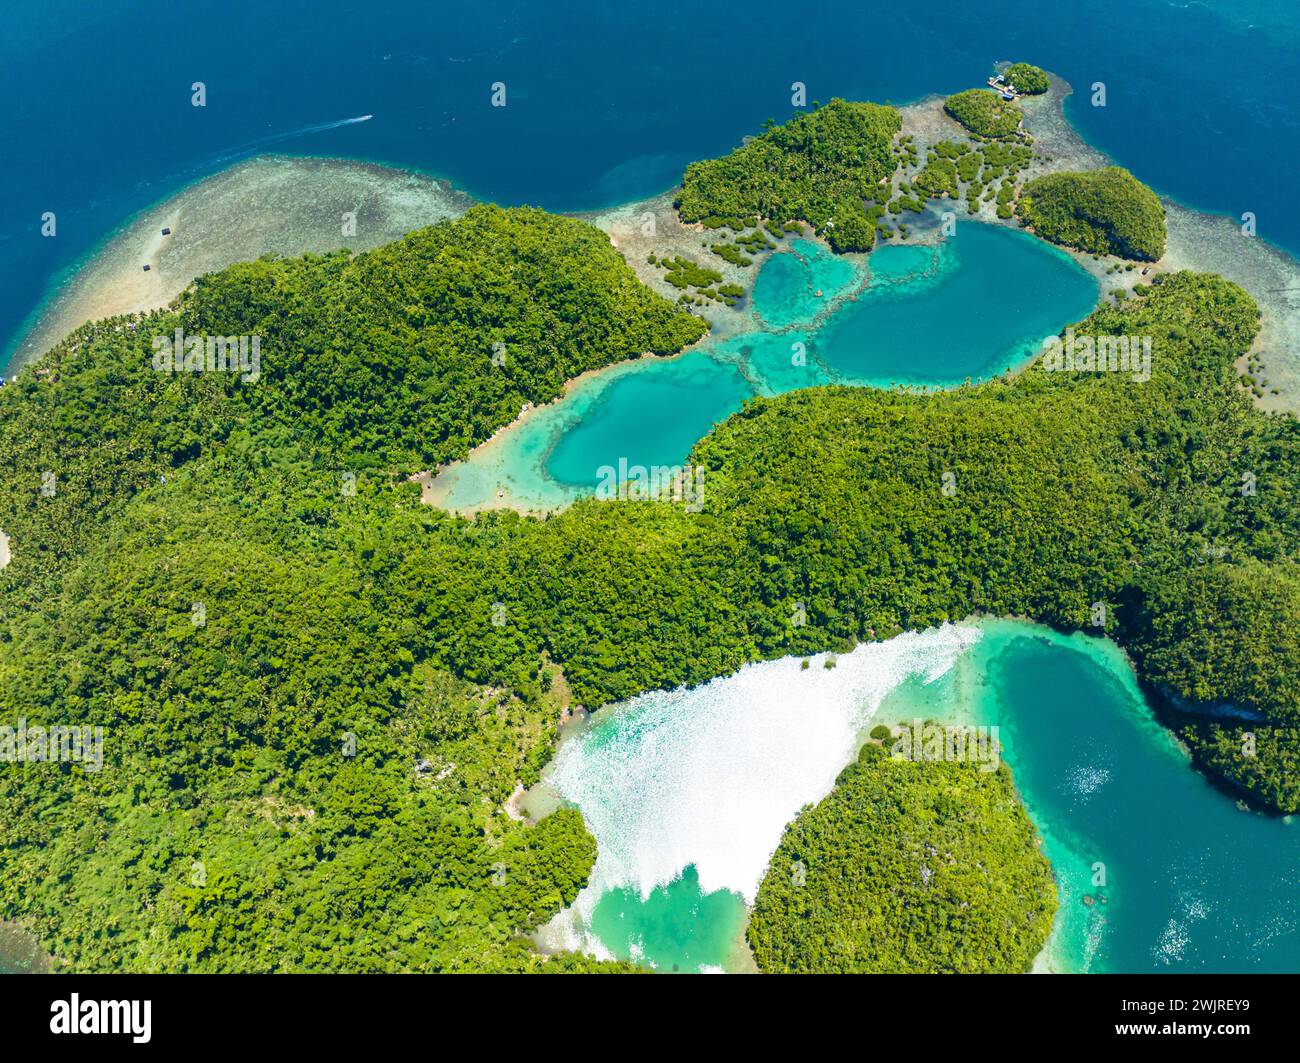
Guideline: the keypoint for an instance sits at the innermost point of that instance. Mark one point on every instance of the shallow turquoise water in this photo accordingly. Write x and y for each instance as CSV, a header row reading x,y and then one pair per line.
x,y
1190,882
678,928
976,305
787,284
932,316
687,792
652,417
981,305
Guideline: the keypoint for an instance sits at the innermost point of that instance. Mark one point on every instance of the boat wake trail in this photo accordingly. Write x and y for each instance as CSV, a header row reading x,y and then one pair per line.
x,y
253,146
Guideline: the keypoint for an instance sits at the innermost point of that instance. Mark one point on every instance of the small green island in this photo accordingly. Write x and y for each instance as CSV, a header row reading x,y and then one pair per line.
x,y
1106,212
908,867
1027,79
985,113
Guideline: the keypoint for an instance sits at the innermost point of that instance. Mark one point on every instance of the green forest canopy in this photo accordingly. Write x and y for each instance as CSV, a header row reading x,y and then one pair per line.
x,y
985,113
822,167
418,350
1027,78
228,829
906,867
1106,212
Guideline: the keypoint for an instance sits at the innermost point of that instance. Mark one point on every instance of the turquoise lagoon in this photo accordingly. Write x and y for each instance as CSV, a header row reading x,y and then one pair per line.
x,y
1193,881
687,793
968,308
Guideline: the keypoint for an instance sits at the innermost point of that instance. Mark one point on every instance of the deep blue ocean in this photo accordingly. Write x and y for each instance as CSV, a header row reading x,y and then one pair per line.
x,y
605,102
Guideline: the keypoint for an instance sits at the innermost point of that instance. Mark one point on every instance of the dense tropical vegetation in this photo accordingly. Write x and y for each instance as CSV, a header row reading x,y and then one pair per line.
x,y
287,787
307,773
907,866
1106,212
822,167
495,311
1027,78
985,113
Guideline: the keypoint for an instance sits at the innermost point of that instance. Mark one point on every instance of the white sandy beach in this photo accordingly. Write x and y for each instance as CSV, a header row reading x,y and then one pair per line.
x,y
268,205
